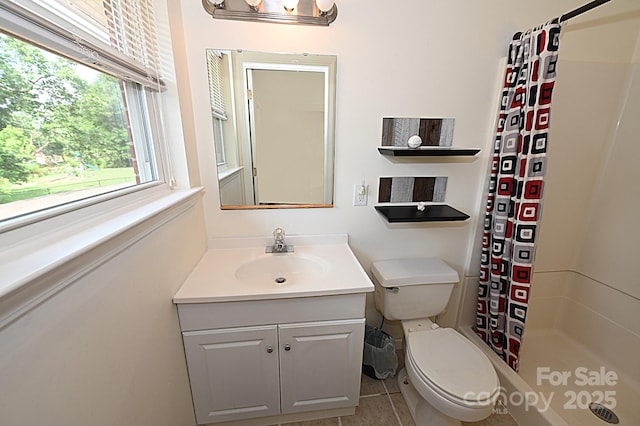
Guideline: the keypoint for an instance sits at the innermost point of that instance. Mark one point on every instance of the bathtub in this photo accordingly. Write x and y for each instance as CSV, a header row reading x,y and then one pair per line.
x,y
554,387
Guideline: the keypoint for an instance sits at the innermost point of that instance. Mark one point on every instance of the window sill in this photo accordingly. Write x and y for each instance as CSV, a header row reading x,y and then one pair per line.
x,y
229,172
36,265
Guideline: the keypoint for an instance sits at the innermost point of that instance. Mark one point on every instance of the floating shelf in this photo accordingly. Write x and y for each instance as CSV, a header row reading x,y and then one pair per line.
x,y
431,213
402,151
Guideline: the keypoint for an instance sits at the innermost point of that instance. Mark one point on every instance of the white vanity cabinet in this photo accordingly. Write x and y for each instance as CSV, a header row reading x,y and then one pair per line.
x,y
247,372
274,338
233,373
320,365
276,360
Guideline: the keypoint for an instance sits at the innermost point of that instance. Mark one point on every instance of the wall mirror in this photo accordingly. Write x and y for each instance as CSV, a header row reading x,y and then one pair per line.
x,y
273,120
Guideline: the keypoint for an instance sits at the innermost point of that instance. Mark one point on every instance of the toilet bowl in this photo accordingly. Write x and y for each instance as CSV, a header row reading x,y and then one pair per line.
x,y
449,373
446,379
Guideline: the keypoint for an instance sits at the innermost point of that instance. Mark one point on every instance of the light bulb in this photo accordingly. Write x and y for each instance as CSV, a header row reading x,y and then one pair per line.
x,y
253,3
324,5
289,5
218,3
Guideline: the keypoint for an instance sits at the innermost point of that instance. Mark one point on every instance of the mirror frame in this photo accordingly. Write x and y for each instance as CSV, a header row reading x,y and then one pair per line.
x,y
244,60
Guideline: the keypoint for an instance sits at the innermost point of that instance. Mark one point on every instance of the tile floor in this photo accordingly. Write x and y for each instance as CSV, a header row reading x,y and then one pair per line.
x,y
381,404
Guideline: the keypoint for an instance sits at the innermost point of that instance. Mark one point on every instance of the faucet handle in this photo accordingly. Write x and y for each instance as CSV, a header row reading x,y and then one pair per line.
x,y
278,234
279,246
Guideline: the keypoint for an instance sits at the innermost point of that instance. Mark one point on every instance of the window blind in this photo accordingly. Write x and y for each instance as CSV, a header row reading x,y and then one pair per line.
x,y
117,37
216,85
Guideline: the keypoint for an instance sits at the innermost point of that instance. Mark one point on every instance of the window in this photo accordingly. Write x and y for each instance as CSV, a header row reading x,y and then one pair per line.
x,y
215,65
79,84
218,137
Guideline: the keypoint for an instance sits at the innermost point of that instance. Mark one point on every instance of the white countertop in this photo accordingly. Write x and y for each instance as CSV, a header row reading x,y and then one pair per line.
x,y
214,278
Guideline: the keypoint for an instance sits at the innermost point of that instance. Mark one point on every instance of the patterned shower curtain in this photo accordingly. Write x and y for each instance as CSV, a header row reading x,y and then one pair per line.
x,y
516,186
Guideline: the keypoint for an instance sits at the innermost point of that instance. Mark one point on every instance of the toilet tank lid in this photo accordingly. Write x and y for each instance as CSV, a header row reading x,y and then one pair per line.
x,y
424,270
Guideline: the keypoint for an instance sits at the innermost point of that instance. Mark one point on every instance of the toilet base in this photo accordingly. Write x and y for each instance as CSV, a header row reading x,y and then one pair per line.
x,y
422,412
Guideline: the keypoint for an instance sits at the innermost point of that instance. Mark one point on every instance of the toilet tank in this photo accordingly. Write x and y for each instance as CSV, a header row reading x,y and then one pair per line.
x,y
412,288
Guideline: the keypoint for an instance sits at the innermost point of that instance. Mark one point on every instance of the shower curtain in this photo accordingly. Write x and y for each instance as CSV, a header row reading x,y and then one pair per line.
x,y
516,186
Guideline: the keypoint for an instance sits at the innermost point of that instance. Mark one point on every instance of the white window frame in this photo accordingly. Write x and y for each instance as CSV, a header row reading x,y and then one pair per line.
x,y
218,102
28,20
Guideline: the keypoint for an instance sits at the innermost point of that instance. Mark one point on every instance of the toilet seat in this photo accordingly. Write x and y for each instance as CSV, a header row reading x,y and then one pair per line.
x,y
452,367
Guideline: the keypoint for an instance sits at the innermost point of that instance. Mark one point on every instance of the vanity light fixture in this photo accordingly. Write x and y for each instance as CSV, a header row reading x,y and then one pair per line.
x,y
325,6
253,4
301,12
289,5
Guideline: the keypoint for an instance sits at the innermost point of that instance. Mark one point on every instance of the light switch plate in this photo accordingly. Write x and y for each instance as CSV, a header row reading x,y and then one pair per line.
x,y
360,192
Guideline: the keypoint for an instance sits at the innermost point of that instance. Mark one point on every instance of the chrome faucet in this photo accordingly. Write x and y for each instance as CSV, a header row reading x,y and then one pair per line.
x,y
279,245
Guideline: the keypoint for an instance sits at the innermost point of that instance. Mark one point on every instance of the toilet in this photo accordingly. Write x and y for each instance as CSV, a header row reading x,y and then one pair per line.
x,y
446,379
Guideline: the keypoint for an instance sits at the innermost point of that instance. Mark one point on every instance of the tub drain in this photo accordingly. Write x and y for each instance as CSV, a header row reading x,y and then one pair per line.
x,y
280,280
604,413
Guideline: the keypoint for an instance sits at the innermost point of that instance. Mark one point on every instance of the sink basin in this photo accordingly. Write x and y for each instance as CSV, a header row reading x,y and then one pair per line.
x,y
238,269
281,269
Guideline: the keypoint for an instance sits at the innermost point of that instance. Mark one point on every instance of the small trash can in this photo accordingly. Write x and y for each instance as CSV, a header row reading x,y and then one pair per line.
x,y
379,359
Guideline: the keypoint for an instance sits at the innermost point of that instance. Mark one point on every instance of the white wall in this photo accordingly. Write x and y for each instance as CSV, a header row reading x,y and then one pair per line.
x,y
107,350
416,59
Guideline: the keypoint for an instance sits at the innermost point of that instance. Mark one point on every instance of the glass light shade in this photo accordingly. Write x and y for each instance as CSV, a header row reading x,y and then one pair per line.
x,y
289,4
217,2
324,5
253,3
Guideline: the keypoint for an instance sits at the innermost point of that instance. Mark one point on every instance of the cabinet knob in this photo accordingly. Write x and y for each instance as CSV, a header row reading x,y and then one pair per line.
x,y
269,349
287,347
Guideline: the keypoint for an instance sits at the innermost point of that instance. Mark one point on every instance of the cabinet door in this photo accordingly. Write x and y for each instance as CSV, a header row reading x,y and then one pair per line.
x,y
233,373
320,365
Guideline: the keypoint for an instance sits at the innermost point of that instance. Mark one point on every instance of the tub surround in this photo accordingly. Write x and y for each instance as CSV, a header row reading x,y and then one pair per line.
x,y
584,321
584,299
533,414
589,377
594,314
